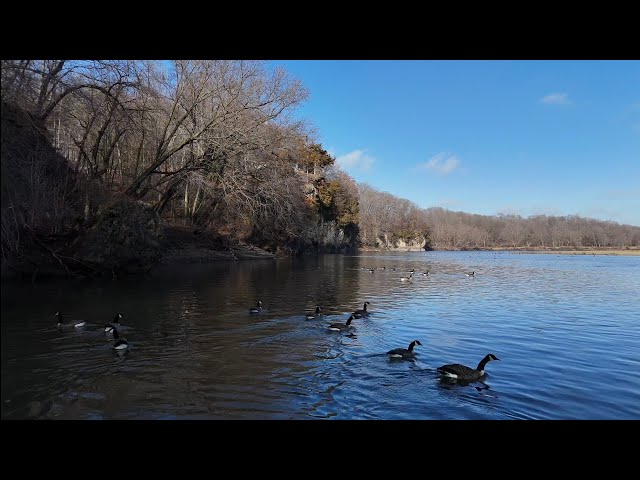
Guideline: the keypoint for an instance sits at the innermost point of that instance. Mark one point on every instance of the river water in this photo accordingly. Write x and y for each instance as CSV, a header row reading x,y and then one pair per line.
x,y
565,328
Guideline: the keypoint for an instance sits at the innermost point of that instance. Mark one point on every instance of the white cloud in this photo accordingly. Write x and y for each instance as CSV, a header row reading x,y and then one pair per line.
x,y
442,164
356,160
556,99
623,194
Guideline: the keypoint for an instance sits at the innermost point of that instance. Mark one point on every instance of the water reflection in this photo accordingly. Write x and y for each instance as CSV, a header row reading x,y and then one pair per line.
x,y
196,352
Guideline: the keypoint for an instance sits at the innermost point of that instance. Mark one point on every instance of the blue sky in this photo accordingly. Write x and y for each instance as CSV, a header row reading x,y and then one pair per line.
x,y
526,137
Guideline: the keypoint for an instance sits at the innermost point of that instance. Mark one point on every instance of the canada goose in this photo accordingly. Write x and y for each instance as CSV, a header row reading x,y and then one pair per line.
x,y
114,323
61,323
383,268
372,270
471,274
413,270
311,316
462,372
336,327
256,309
119,343
424,274
363,312
404,352
407,279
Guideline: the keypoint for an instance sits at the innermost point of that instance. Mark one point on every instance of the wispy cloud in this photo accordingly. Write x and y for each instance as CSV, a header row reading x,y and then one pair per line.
x,y
510,211
356,160
623,194
602,213
538,210
442,164
556,99
449,203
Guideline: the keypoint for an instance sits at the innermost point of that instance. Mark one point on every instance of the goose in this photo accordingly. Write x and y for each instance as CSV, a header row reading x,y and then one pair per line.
x,y
372,270
393,269
462,372
404,352
311,316
407,279
257,308
336,327
424,274
61,323
383,268
363,312
119,343
114,323
413,270
471,274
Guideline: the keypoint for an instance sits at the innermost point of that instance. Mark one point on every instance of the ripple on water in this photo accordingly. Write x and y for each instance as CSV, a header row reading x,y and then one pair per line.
x,y
568,346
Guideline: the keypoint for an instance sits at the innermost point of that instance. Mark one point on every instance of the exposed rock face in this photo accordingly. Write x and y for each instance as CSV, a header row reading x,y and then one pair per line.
x,y
385,243
125,238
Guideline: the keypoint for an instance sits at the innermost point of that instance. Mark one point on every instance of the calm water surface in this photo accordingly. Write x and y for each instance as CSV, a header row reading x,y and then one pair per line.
x,y
566,329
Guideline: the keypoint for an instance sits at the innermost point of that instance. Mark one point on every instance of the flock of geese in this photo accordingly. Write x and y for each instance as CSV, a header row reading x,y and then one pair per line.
x,y
452,371
112,328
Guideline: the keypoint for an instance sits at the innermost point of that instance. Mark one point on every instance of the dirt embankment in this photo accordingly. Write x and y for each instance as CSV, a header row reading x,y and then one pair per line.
x,y
181,245
127,238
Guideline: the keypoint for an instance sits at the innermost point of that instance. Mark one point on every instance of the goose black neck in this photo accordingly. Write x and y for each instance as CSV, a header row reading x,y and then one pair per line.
x,y
411,345
317,309
349,320
365,306
115,333
483,362
115,319
60,319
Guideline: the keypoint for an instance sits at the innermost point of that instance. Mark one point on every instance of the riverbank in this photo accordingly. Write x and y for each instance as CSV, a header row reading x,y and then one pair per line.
x,y
56,256
183,246
631,251
589,251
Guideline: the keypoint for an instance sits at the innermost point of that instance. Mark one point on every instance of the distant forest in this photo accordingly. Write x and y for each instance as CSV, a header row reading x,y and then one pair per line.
x,y
386,220
214,147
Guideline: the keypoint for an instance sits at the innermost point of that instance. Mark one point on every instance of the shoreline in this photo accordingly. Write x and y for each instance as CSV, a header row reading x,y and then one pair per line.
x,y
634,251
608,251
178,250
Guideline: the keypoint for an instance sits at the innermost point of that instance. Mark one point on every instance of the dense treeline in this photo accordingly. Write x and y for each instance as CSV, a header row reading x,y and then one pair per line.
x,y
388,221
214,148
464,230
211,145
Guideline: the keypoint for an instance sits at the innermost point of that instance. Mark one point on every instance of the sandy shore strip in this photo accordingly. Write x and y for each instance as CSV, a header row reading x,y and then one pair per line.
x,y
586,252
